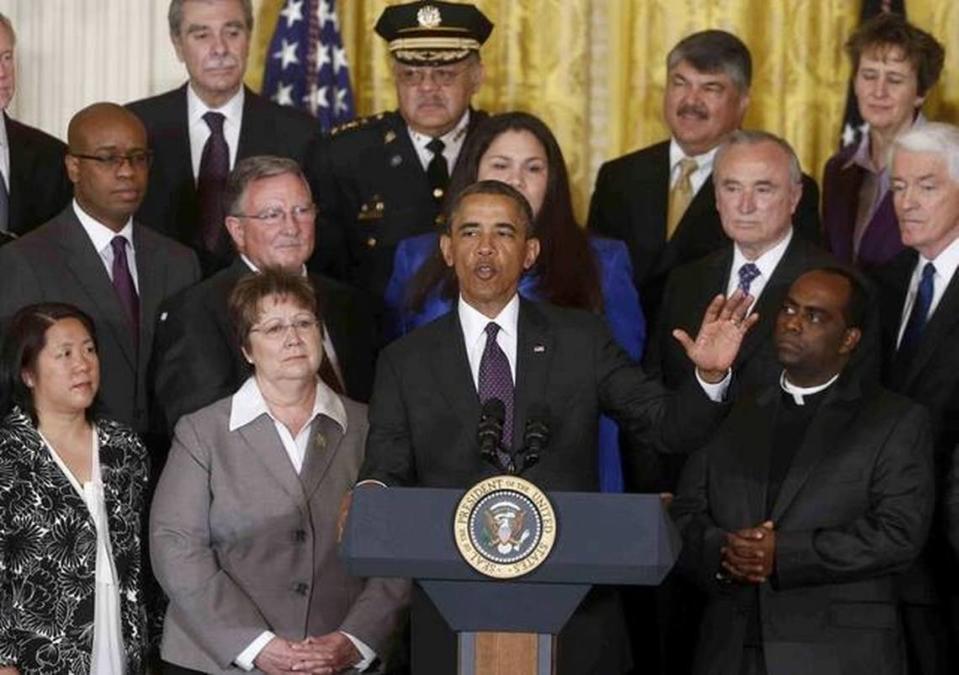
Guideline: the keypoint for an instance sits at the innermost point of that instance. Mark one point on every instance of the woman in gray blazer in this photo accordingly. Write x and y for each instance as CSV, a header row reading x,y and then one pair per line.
x,y
243,526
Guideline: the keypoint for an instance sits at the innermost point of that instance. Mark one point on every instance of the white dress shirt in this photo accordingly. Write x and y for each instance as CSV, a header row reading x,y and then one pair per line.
x,y
232,110
248,405
946,264
704,165
766,263
474,322
107,656
102,237
453,140
4,151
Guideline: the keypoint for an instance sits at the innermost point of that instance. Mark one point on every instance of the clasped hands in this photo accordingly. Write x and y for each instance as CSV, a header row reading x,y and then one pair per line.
x,y
322,655
749,555
720,335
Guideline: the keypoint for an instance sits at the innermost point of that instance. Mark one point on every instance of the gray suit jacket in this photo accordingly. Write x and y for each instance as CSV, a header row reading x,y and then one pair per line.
x,y
58,263
242,544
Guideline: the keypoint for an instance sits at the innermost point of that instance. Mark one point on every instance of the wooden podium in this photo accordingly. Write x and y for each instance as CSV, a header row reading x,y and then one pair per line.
x,y
508,627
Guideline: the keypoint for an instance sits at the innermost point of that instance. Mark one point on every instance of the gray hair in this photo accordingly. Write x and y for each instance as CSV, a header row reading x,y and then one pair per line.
x,y
175,15
936,137
713,51
5,21
754,137
253,169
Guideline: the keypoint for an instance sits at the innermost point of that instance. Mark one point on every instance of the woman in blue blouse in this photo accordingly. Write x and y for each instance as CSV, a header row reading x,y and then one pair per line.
x,y
573,270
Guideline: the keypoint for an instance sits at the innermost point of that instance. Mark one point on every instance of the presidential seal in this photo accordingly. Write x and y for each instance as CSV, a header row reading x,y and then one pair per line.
x,y
504,527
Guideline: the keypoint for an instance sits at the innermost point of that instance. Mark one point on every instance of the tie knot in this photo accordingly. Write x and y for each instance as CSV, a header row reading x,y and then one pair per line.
x,y
492,328
214,120
928,271
436,146
686,167
747,273
119,245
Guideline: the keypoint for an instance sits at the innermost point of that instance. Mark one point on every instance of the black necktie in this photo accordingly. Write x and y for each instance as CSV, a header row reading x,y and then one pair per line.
x,y
211,181
437,171
4,205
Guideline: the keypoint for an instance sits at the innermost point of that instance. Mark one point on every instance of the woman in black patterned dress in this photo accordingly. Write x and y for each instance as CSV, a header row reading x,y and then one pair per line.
x,y
72,491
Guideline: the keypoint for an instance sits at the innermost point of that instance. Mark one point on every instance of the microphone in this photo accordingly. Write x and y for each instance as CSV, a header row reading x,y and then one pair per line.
x,y
490,430
535,435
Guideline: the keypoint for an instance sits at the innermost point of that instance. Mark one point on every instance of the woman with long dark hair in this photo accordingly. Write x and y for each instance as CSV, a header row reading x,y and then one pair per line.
x,y
572,270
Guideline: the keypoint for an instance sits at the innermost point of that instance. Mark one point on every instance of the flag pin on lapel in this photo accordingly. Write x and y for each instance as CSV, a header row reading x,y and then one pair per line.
x,y
539,349
395,161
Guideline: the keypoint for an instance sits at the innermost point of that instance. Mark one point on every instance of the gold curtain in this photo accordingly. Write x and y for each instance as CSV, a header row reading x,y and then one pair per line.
x,y
594,70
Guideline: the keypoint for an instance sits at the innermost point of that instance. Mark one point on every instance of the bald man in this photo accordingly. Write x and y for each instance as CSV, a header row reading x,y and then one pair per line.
x,y
93,255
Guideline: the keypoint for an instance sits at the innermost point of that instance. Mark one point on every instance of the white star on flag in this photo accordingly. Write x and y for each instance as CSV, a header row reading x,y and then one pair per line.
x,y
284,94
339,59
287,54
322,56
293,12
326,13
316,98
339,105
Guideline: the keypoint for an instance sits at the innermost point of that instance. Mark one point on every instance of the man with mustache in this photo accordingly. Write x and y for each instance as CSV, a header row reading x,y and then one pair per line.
x,y
809,499
384,177
660,199
96,256
34,185
201,129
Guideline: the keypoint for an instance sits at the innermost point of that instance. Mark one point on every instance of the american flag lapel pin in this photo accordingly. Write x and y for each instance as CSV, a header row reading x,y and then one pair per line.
x,y
539,349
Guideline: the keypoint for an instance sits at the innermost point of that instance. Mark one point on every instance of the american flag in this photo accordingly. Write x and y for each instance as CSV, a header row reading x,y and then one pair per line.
x,y
306,64
853,125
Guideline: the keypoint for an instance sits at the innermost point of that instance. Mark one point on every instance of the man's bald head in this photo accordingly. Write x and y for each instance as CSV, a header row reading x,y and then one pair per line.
x,y
108,162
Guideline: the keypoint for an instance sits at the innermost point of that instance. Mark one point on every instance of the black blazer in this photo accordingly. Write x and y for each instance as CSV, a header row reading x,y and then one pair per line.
x,y
425,409
57,263
372,192
630,203
197,359
854,509
48,544
171,205
39,187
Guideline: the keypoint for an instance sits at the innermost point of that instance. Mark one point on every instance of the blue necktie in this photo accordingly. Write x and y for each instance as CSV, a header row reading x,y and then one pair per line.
x,y
747,273
919,314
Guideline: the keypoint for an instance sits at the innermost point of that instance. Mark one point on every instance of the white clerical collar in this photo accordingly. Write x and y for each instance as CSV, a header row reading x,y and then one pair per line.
x,y
247,404
798,393
232,110
474,322
101,235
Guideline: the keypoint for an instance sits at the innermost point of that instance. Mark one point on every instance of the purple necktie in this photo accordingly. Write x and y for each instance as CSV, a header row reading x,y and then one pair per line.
x,y
123,283
496,380
747,274
214,169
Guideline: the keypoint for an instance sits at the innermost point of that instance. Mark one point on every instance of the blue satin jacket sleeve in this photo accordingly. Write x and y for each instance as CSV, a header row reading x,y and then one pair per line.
x,y
624,316
410,255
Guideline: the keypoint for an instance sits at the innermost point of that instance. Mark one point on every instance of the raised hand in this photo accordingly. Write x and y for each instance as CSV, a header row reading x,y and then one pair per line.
x,y
720,335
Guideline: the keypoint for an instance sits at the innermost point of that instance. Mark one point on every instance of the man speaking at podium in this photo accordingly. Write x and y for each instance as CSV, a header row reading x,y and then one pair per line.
x,y
431,385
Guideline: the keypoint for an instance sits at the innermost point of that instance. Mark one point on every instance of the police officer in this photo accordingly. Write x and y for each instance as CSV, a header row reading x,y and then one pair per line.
x,y
383,178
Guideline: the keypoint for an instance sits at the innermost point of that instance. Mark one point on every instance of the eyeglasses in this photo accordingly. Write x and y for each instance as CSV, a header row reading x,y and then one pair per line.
x,y
441,77
277,330
138,159
276,215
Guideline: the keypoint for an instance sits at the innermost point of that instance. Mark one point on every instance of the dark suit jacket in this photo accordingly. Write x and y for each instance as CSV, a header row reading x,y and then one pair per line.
x,y
630,203
853,509
171,205
931,379
425,409
840,201
47,594
372,193
198,360
57,263
39,187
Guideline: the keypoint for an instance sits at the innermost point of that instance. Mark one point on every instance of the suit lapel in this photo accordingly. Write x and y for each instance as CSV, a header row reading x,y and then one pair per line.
x,y
534,354
262,440
833,416
176,155
937,329
87,268
325,439
653,183
150,275
451,369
